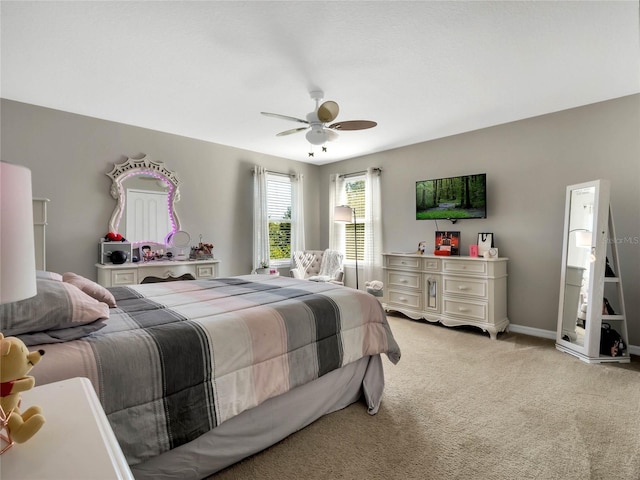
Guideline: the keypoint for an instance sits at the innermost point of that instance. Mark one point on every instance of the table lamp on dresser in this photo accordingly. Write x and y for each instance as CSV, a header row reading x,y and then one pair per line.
x,y
17,251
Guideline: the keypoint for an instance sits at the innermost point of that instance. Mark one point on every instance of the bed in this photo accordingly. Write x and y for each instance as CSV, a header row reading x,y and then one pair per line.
x,y
197,375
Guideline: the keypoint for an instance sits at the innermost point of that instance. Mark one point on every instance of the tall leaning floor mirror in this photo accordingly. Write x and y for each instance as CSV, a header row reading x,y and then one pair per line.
x,y
588,226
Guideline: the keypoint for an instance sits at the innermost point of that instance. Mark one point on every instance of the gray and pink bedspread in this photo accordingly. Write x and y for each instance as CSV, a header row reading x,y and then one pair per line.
x,y
176,359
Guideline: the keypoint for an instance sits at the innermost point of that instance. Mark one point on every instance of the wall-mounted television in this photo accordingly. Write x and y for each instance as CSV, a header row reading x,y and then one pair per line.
x,y
452,198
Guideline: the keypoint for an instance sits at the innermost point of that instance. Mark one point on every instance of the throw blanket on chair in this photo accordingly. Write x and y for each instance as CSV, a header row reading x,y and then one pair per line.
x,y
331,263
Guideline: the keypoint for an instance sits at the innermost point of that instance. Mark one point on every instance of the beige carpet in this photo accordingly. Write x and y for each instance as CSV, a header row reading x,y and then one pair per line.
x,y
460,406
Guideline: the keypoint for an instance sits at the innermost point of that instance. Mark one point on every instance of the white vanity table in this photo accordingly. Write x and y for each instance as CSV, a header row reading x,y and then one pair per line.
x,y
110,275
146,192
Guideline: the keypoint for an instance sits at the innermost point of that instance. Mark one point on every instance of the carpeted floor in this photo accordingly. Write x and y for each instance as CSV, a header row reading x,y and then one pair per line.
x,y
460,406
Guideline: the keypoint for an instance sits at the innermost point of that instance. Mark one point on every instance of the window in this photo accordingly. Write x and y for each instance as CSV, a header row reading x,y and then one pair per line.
x,y
355,197
279,213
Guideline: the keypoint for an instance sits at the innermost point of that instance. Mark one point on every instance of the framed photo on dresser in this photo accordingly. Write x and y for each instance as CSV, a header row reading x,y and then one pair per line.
x,y
448,241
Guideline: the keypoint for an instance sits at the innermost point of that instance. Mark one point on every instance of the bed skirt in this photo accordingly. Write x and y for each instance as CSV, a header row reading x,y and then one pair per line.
x,y
270,422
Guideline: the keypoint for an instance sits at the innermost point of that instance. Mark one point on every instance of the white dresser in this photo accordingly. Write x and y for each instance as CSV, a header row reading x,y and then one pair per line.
x,y
110,275
450,290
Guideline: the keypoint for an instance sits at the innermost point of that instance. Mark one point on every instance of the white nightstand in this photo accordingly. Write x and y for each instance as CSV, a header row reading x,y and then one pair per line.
x,y
75,443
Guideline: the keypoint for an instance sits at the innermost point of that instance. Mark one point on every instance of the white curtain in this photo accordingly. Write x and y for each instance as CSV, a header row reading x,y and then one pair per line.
x,y
337,196
260,218
373,226
297,213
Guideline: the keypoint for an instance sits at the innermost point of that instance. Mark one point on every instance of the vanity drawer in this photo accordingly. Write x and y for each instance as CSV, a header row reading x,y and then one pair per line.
x,y
460,308
404,280
206,271
404,262
462,266
466,286
124,277
405,299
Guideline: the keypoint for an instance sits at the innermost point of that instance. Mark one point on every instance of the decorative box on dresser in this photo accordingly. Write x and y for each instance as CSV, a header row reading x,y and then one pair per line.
x,y
110,275
451,290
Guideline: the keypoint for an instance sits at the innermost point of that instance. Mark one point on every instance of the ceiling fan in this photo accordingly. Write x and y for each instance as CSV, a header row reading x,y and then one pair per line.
x,y
318,132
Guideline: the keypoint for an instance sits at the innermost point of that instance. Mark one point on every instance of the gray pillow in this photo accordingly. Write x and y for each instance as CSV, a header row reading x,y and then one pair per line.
x,y
57,305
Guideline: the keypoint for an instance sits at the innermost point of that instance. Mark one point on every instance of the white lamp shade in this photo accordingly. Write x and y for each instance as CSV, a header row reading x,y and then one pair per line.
x,y
17,251
343,213
316,136
583,239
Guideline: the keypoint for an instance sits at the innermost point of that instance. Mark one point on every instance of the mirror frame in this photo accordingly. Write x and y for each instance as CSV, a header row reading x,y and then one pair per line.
x,y
598,250
146,166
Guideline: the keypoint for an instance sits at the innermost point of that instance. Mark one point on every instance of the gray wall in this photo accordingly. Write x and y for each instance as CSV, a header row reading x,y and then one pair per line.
x,y
69,156
529,164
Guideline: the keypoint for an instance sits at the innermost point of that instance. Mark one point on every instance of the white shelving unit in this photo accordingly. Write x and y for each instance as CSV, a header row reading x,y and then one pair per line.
x,y
612,289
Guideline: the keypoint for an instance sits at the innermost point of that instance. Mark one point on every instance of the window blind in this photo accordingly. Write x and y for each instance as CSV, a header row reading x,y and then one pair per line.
x,y
279,213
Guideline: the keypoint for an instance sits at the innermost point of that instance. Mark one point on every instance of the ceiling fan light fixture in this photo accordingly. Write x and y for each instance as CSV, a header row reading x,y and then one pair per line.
x,y
319,129
316,136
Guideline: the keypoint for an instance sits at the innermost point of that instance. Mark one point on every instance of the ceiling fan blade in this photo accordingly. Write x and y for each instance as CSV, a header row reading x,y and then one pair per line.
x,y
332,135
284,117
328,111
353,125
289,132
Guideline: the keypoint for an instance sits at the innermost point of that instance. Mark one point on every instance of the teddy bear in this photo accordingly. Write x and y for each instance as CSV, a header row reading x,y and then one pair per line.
x,y
15,362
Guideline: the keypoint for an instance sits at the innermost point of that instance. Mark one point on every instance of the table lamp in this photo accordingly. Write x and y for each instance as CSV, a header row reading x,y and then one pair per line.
x,y
17,251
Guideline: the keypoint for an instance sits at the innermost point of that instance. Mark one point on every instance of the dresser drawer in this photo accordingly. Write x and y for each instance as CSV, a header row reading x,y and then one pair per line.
x,y
460,308
467,267
431,264
404,280
405,299
466,286
404,262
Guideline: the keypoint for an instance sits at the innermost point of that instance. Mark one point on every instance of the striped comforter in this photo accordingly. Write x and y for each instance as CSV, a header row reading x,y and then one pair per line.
x,y
176,359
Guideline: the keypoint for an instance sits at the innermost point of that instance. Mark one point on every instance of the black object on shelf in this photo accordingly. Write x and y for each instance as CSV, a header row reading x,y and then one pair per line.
x,y
607,309
608,271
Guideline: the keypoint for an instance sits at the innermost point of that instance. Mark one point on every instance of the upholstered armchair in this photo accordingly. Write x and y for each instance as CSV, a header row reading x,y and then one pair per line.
x,y
318,266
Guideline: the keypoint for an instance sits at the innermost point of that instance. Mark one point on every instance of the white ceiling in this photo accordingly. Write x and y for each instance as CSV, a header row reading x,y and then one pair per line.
x,y
422,70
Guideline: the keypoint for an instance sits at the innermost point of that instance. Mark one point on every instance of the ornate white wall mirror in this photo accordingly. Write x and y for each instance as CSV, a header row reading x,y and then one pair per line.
x,y
146,193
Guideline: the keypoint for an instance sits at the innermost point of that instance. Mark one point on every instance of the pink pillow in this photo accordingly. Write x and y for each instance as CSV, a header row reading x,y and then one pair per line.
x,y
48,275
90,287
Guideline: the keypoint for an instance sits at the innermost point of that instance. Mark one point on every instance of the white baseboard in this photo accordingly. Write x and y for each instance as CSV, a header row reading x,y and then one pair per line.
x,y
551,334
534,332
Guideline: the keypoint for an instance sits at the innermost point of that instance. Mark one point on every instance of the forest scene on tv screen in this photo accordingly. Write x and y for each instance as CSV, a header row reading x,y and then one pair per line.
x,y
452,198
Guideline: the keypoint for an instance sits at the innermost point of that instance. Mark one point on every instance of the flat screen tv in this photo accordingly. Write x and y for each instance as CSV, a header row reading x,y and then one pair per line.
x,y
452,198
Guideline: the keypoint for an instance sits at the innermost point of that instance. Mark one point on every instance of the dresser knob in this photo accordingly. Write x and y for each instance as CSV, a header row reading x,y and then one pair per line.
x,y
462,309
462,287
